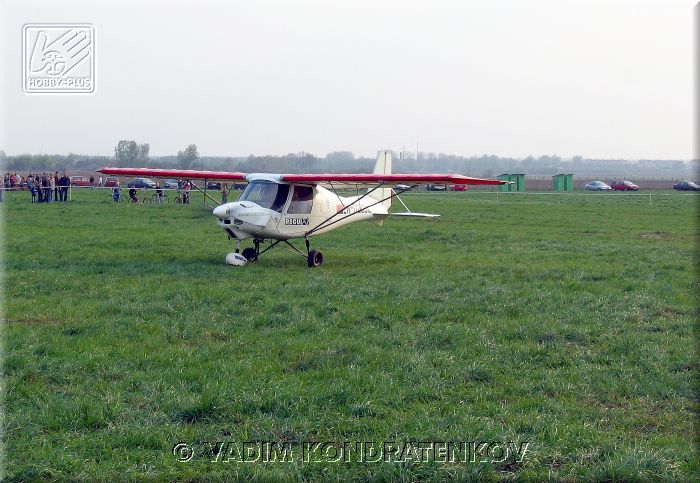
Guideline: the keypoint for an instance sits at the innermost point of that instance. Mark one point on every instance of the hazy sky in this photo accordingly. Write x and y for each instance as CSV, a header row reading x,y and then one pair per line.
x,y
606,78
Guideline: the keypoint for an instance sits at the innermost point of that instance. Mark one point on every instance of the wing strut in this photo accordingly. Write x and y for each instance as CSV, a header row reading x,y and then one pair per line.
x,y
327,222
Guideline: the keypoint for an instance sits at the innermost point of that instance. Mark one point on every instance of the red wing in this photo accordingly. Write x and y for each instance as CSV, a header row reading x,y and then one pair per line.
x,y
174,173
356,178
389,179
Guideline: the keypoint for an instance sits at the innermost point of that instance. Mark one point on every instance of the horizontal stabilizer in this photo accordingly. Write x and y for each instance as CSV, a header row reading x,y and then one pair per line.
x,y
419,215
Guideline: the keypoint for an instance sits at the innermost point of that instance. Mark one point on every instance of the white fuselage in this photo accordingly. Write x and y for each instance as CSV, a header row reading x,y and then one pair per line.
x,y
306,211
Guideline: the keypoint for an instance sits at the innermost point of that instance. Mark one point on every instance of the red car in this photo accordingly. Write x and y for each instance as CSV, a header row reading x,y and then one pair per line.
x,y
79,181
459,187
111,182
624,186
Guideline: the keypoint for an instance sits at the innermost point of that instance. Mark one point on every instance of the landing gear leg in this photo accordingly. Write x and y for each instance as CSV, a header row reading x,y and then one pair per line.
x,y
238,246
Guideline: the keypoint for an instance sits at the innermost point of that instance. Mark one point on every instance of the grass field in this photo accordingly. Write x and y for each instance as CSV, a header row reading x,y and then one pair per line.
x,y
561,321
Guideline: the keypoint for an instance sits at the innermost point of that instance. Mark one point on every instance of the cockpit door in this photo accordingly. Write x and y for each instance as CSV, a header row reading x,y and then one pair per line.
x,y
296,217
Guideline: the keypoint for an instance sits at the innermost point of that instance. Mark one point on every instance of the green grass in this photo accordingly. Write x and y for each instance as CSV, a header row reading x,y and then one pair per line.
x,y
566,321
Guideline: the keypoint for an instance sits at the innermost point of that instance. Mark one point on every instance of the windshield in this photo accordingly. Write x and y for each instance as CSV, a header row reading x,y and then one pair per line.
x,y
266,194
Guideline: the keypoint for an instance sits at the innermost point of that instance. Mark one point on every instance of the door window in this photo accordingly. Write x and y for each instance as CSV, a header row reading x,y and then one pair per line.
x,y
302,200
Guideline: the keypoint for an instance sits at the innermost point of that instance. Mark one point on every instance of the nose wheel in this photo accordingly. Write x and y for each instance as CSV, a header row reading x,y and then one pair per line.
x,y
250,254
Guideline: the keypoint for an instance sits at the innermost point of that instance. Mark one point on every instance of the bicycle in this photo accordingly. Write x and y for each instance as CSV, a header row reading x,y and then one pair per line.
x,y
159,200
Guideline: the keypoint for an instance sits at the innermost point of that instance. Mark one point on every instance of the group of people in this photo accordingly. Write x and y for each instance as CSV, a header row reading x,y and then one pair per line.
x,y
13,180
45,188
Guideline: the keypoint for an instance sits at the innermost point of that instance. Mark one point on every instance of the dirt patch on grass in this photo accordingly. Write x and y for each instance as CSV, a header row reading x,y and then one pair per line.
x,y
657,235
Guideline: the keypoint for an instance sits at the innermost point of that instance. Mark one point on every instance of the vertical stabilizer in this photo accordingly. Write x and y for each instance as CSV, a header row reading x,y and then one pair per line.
x,y
383,166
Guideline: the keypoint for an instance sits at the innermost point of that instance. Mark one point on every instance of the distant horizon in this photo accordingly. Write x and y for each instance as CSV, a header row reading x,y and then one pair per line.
x,y
361,156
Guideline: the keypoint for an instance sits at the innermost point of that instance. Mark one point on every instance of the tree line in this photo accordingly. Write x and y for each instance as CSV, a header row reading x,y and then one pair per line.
x,y
129,153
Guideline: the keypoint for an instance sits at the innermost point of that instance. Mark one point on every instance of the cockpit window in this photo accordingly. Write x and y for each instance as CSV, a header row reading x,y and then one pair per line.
x,y
266,194
302,200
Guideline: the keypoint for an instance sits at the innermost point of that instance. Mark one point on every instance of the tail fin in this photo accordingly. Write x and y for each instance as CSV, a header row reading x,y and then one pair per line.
x,y
383,166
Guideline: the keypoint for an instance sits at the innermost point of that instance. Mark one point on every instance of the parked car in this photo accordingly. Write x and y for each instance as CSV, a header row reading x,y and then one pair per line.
x,y
111,181
239,186
213,185
686,186
141,183
170,184
597,186
459,187
624,186
79,181
436,187
403,187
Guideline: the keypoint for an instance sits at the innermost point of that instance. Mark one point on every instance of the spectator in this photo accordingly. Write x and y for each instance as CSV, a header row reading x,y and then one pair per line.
x,y
132,195
55,186
53,189
64,183
2,189
159,192
116,192
32,188
92,182
99,182
224,193
47,183
186,193
39,189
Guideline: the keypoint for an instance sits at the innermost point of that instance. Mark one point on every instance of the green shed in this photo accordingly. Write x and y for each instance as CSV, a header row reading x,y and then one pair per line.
x,y
519,180
505,187
568,182
563,182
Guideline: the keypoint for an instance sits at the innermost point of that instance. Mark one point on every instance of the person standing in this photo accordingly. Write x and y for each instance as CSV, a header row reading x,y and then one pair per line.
x,y
116,192
39,189
224,193
92,182
64,183
32,187
159,192
186,193
55,186
99,182
52,189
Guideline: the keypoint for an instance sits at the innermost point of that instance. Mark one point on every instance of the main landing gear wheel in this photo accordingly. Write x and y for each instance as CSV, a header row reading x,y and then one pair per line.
x,y
315,258
250,254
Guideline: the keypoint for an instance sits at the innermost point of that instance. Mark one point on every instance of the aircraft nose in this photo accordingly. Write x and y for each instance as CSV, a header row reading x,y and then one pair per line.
x,y
221,212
